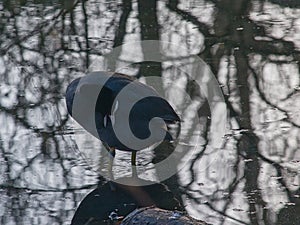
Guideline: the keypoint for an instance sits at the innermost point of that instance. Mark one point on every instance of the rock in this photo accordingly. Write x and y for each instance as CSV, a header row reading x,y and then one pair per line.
x,y
157,216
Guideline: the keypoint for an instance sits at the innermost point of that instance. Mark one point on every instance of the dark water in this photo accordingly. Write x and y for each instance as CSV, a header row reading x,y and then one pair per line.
x,y
248,174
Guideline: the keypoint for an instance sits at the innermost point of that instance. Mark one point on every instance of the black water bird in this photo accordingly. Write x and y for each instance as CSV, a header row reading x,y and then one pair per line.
x,y
108,104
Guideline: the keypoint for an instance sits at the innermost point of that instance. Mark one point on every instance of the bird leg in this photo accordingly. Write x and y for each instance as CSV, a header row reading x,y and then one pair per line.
x,y
133,163
133,158
112,154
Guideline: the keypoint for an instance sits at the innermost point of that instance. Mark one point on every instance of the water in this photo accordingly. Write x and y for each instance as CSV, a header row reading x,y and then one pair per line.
x,y
248,174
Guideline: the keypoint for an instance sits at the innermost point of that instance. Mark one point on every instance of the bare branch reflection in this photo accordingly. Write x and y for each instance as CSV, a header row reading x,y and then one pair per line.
x,y
252,47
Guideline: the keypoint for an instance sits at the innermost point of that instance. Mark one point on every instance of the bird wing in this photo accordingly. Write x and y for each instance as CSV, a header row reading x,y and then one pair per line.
x,y
148,103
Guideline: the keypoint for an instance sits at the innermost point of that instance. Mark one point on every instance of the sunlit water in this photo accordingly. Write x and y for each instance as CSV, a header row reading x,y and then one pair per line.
x,y
48,163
